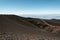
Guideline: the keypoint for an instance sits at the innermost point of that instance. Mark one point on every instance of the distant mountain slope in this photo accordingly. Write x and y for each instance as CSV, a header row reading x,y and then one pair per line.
x,y
55,22
45,23
18,28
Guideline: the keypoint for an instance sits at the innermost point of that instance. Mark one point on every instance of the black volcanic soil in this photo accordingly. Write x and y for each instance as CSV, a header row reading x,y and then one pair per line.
x,y
13,27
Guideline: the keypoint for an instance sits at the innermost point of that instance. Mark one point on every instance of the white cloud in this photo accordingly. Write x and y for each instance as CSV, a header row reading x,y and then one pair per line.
x,y
41,12
11,12
31,12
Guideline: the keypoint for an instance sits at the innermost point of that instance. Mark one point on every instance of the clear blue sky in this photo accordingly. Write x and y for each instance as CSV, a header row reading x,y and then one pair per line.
x,y
30,7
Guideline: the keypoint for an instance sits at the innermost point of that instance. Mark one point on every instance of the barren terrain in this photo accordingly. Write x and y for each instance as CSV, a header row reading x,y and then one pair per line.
x,y
13,27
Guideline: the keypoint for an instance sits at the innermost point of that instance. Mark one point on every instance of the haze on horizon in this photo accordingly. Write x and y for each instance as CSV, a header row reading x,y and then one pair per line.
x,y
31,8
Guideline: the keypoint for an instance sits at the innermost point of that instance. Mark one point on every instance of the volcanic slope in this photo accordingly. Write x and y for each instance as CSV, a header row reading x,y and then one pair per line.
x,y
47,24
55,22
18,28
